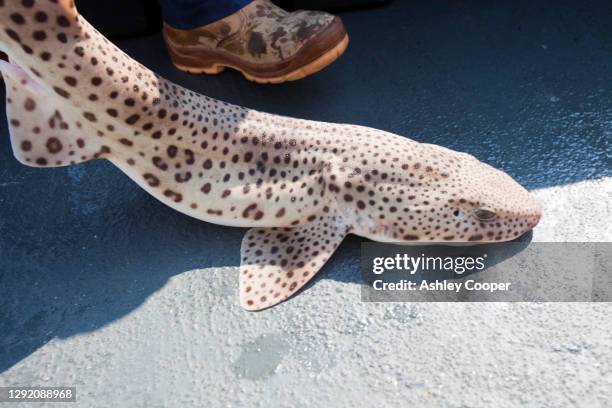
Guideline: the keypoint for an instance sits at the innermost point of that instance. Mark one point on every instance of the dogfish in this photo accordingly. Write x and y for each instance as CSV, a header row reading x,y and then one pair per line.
x,y
301,186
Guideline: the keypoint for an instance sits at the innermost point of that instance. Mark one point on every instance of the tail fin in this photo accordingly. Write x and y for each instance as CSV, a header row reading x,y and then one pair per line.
x,y
43,135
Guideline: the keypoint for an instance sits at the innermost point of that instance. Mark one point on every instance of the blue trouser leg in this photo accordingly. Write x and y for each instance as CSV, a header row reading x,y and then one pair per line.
x,y
188,14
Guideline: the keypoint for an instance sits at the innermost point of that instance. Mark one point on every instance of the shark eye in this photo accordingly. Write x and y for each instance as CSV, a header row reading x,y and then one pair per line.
x,y
484,214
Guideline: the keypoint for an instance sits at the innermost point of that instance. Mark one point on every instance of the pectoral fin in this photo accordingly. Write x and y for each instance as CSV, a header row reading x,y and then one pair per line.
x,y
277,262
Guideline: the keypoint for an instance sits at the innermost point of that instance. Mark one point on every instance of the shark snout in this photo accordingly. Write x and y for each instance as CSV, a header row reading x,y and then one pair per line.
x,y
536,212
525,213
504,209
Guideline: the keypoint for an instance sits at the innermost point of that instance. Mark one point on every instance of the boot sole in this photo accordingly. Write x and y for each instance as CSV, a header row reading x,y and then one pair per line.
x,y
313,67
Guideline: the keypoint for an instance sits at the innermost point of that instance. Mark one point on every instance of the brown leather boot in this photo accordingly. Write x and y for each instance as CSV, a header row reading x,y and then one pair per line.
x,y
264,42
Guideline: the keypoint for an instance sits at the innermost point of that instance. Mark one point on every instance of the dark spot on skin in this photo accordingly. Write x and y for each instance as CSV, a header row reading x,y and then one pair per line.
x,y
152,180
40,16
26,146
159,163
29,105
206,188
13,35
126,142
247,210
176,197
61,92
54,145
41,161
476,237
190,157
172,151
90,116
103,150
182,177
207,164
70,80
39,35
62,21
132,119
27,49
411,237
17,18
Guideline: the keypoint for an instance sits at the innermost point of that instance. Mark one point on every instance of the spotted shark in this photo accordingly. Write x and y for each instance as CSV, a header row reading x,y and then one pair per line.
x,y
301,186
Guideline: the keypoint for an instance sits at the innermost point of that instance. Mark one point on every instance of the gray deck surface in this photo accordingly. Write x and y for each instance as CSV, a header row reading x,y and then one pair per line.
x,y
104,288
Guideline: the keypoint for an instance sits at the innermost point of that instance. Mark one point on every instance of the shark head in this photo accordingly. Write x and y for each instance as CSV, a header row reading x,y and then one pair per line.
x,y
437,195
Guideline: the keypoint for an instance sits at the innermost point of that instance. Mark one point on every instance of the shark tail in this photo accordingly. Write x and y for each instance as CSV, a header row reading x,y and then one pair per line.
x,y
43,134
